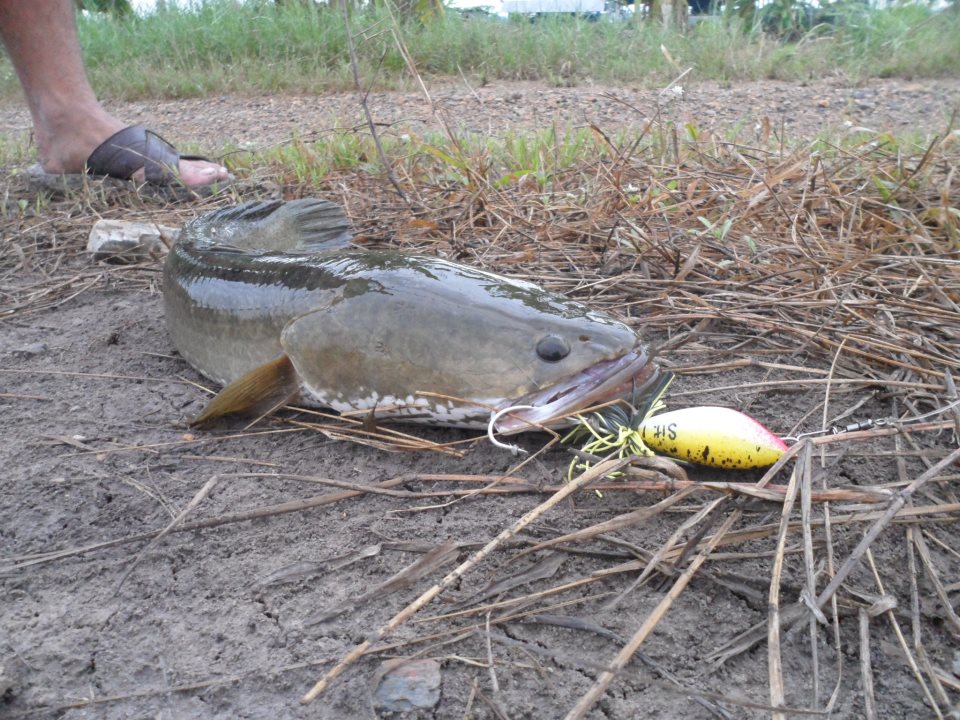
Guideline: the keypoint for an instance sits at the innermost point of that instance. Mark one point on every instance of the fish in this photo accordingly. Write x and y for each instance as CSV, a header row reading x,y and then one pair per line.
x,y
273,301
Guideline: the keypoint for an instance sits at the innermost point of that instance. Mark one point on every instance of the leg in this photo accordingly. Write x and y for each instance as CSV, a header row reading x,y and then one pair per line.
x,y
68,121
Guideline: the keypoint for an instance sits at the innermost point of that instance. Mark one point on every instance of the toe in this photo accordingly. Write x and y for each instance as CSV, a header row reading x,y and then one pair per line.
x,y
197,173
194,173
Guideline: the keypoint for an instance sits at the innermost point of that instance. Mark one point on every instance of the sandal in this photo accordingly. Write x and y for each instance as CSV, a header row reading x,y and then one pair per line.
x,y
118,157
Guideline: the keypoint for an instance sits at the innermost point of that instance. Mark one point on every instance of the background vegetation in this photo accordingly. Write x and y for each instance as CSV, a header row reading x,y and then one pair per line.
x,y
261,47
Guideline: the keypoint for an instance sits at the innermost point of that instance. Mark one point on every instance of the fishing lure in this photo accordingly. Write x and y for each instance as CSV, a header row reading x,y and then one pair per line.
x,y
712,436
615,428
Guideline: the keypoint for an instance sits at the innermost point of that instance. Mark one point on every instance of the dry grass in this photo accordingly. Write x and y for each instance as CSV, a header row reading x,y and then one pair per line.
x,y
832,266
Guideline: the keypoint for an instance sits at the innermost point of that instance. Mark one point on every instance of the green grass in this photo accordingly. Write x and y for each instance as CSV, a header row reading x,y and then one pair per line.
x,y
262,47
15,148
548,156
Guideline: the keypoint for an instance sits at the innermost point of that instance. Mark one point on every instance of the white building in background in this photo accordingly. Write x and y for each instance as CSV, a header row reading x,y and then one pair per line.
x,y
529,7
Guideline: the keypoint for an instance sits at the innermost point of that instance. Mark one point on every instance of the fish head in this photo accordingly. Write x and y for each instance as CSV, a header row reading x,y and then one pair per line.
x,y
459,344
563,364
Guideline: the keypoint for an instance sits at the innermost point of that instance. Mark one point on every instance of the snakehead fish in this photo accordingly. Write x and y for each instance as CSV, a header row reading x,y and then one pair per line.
x,y
272,301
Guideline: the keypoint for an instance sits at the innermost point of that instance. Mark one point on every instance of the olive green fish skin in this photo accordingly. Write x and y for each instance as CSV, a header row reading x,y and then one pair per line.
x,y
225,311
372,328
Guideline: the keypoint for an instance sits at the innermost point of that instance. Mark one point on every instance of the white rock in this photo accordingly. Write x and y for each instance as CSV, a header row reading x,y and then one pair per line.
x,y
126,241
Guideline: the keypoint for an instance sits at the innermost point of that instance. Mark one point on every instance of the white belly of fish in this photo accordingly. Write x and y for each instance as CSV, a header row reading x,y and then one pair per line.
x,y
436,411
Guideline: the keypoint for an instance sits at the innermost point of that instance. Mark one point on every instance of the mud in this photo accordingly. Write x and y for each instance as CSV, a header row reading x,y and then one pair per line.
x,y
93,404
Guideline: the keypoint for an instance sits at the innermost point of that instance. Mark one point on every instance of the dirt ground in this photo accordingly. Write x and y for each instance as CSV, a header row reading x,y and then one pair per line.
x,y
220,621
914,107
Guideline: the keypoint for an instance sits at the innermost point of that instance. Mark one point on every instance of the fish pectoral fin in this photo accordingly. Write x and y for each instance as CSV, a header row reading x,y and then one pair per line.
x,y
259,391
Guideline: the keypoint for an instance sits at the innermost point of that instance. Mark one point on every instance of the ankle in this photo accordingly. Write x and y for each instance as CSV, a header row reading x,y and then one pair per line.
x,y
65,140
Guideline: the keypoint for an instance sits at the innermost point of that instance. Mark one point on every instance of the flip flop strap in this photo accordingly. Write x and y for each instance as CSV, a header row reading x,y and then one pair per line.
x,y
132,148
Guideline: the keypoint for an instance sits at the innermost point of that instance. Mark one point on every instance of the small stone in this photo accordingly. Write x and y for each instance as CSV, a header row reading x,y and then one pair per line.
x,y
6,682
408,685
31,350
124,241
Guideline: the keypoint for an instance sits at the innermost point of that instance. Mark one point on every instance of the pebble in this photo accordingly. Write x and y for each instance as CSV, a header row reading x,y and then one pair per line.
x,y
31,350
6,682
406,686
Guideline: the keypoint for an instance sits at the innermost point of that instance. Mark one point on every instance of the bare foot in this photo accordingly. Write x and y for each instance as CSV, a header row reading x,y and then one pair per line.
x,y
196,173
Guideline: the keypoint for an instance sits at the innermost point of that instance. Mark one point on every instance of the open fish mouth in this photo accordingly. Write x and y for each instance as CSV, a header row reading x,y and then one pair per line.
x,y
632,373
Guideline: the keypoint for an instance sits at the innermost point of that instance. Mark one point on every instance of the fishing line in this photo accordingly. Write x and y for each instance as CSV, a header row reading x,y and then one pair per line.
x,y
871,423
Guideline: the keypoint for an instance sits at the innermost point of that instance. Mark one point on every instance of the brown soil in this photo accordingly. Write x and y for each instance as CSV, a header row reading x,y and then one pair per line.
x,y
93,400
805,111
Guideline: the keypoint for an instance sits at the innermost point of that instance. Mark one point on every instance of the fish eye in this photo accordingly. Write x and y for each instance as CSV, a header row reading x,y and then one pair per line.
x,y
552,348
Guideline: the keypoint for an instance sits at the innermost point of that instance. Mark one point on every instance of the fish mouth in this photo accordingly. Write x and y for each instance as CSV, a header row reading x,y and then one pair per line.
x,y
632,373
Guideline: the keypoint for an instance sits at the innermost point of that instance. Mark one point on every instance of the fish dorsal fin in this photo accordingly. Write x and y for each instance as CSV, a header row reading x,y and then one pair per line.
x,y
259,391
307,225
320,224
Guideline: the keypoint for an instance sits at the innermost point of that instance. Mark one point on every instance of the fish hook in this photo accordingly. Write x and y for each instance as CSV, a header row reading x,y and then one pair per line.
x,y
494,416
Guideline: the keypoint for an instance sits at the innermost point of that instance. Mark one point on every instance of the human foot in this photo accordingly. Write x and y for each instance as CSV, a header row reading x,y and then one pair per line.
x,y
133,153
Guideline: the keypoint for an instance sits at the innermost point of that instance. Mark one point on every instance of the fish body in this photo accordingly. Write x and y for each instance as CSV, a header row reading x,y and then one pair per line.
x,y
271,300
713,436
